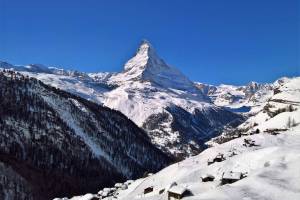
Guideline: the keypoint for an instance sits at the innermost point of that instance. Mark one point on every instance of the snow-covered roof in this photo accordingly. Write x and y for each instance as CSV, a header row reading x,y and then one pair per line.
x,y
170,185
104,194
106,189
232,175
177,189
128,182
207,176
220,156
117,185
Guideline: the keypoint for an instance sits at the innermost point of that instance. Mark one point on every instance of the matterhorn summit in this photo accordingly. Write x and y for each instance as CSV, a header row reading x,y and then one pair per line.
x,y
145,54
146,65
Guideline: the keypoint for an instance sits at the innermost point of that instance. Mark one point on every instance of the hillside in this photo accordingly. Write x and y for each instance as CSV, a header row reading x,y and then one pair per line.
x,y
277,113
243,164
54,143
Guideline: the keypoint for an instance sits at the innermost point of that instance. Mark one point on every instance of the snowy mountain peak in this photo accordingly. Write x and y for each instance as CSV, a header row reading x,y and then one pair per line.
x,y
144,57
146,65
145,48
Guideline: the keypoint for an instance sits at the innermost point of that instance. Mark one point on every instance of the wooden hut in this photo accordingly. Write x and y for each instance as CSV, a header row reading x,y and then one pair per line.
x,y
176,192
219,158
207,178
231,177
148,190
210,161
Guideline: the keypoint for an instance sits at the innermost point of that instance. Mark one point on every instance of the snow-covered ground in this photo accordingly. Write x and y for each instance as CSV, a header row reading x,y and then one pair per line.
x,y
270,164
271,168
268,160
272,171
280,111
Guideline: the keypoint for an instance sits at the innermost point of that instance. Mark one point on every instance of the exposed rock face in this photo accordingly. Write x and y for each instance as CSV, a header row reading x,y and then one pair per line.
x,y
189,130
53,143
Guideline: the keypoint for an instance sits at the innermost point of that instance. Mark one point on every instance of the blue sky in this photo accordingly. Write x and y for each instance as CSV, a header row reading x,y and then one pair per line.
x,y
217,41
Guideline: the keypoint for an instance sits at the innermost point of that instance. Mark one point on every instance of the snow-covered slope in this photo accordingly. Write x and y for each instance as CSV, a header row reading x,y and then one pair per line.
x,y
278,112
268,159
54,143
281,110
271,170
177,116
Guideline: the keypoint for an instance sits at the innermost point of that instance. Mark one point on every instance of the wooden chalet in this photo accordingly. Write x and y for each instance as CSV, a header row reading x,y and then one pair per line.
x,y
231,177
177,192
207,178
148,190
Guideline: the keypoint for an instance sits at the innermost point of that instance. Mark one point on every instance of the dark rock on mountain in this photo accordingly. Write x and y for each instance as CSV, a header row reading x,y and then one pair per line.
x,y
194,129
